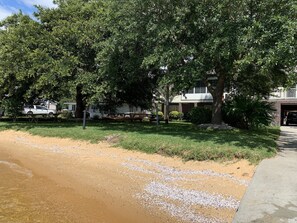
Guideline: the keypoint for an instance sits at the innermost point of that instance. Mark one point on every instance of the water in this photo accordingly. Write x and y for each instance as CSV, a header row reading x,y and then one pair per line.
x,y
20,198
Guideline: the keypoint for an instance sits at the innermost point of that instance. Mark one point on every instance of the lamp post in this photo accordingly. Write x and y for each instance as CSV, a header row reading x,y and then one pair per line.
x,y
157,113
84,119
157,109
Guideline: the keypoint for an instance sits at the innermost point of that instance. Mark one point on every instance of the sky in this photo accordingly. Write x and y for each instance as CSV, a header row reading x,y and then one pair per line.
x,y
8,7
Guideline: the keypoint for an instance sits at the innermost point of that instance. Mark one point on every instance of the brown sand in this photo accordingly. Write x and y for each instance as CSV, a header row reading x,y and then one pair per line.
x,y
62,180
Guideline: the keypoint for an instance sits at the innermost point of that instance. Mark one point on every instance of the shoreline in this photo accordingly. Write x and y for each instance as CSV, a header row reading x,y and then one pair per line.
x,y
114,185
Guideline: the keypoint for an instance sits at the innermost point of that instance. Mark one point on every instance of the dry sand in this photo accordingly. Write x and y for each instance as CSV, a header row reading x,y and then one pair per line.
x,y
62,180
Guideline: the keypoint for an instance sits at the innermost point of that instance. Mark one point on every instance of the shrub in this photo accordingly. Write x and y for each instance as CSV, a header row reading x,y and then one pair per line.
x,y
160,114
176,115
200,115
12,107
187,116
247,112
153,116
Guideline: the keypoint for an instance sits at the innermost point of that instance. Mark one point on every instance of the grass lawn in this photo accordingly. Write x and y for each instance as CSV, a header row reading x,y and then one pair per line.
x,y
176,139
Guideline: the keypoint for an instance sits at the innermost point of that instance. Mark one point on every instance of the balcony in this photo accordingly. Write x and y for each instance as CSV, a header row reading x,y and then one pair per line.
x,y
291,93
282,93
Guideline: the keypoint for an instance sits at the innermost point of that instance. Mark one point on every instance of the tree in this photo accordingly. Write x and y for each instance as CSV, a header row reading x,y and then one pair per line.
x,y
102,50
120,57
226,44
62,62
166,92
76,26
28,64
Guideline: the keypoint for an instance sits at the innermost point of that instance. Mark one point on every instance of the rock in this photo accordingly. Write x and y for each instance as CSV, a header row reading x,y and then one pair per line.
x,y
215,127
113,139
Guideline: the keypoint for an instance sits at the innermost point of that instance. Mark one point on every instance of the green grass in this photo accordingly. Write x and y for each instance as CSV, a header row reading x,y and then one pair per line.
x,y
176,139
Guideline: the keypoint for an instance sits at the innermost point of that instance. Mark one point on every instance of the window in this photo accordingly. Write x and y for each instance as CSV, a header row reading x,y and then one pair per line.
x,y
200,88
191,91
73,108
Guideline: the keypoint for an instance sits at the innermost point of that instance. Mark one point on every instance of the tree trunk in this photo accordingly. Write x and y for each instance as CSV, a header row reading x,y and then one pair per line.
x,y
166,105
217,110
80,106
218,95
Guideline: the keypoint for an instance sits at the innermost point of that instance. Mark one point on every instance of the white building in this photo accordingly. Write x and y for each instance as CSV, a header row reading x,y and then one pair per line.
x,y
196,96
284,100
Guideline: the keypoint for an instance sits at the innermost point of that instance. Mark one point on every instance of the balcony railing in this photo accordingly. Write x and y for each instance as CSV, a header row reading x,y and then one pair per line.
x,y
291,93
284,93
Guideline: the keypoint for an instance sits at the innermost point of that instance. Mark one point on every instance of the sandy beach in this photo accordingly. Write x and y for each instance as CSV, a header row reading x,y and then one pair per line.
x,y
63,180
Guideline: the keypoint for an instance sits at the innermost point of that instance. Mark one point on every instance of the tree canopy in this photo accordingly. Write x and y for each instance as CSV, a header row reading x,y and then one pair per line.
x,y
245,46
103,51
29,65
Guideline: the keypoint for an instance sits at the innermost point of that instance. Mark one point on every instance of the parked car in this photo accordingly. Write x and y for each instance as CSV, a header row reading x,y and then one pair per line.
x,y
291,118
38,110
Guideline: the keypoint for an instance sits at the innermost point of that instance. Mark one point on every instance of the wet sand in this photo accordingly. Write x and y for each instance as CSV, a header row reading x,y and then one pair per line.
x,y
62,180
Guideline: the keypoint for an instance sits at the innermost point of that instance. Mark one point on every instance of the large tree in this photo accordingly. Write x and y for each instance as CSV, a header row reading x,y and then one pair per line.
x,y
124,52
76,26
29,65
226,44
120,57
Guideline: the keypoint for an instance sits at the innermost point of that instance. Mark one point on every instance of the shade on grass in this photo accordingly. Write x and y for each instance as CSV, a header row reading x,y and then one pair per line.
x,y
176,139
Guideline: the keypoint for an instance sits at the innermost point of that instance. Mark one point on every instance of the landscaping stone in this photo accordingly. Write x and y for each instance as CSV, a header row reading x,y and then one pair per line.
x,y
215,127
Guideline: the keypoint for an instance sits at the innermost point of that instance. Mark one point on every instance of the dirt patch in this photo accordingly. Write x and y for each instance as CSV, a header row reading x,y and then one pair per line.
x,y
109,184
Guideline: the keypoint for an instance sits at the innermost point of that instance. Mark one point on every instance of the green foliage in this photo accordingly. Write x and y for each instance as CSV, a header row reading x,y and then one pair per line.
x,y
160,114
246,45
200,115
121,55
176,115
103,51
248,112
30,67
12,107
76,27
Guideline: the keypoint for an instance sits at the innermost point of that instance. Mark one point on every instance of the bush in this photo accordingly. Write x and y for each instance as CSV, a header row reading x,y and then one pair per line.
x,y
187,116
248,112
12,107
160,114
200,115
153,116
175,115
